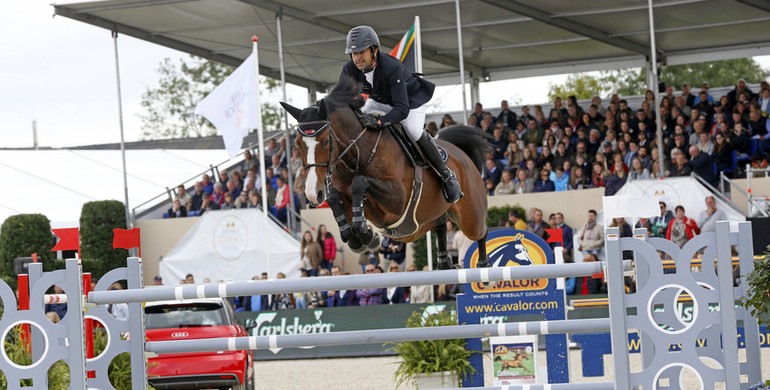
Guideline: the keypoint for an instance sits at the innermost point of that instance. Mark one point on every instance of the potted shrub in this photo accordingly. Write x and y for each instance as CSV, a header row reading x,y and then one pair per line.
x,y
757,298
442,363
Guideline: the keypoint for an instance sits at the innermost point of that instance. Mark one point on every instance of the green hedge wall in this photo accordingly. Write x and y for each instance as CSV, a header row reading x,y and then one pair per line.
x,y
97,219
21,236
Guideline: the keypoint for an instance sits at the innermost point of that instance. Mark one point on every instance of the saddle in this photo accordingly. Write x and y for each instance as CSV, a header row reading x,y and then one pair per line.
x,y
407,224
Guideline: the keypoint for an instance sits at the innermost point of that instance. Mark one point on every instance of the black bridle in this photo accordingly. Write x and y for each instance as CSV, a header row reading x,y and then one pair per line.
x,y
332,165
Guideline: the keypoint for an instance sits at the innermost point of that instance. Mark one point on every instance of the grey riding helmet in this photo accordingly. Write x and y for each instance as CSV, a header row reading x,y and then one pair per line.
x,y
361,38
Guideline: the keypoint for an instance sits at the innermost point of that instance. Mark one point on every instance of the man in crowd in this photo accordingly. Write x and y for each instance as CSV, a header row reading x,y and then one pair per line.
x,y
506,116
660,223
591,236
197,198
516,220
536,225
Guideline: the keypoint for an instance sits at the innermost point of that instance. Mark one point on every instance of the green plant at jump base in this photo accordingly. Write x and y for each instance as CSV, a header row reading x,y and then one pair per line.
x,y
431,356
757,297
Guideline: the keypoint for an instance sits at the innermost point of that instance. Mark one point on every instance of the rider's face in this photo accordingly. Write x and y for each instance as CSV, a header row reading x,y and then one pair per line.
x,y
363,59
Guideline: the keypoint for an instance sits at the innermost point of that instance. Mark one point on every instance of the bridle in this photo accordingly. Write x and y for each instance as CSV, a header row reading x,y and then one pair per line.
x,y
332,165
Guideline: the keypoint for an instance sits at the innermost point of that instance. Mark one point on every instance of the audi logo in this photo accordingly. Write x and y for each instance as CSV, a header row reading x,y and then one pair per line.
x,y
179,334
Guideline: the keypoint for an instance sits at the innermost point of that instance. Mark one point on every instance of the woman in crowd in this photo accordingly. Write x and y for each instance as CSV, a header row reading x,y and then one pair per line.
x,y
578,180
282,301
329,244
513,154
722,154
544,183
598,175
638,171
526,154
524,185
681,229
506,185
545,157
447,121
615,180
311,254
418,294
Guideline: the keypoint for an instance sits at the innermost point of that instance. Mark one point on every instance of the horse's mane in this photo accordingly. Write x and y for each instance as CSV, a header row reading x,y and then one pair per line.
x,y
345,93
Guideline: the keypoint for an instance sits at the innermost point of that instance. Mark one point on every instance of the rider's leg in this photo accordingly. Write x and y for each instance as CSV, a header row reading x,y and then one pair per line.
x,y
414,125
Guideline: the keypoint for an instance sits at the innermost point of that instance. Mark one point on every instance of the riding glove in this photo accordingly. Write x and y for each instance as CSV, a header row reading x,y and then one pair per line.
x,y
368,120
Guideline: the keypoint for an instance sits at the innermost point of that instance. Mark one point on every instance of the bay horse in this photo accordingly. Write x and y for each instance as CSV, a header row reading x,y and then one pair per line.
x,y
365,175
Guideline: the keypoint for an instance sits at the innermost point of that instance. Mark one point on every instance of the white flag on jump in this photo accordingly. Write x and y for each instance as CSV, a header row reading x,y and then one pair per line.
x,y
232,106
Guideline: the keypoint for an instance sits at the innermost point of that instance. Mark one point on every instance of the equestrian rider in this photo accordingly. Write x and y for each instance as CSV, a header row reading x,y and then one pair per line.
x,y
399,93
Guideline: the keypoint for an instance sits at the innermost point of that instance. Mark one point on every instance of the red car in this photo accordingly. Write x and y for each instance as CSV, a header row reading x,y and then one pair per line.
x,y
197,319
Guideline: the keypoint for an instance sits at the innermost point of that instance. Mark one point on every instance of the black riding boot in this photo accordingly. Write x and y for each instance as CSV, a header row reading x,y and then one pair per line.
x,y
450,187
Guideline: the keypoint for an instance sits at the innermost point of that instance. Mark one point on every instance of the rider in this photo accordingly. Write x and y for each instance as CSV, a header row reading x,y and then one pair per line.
x,y
399,93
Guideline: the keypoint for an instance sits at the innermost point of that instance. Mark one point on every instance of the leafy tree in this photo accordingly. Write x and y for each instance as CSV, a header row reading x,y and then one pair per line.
x,y
169,107
97,219
626,82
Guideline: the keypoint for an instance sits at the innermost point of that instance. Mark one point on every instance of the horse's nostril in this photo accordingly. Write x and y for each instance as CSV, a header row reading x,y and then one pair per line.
x,y
320,196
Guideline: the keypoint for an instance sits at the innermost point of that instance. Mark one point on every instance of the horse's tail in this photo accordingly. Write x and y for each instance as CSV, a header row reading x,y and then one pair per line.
x,y
470,140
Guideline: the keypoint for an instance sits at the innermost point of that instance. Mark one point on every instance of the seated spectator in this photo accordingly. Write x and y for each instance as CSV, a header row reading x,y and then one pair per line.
x,y
492,171
578,180
615,180
660,223
208,205
559,178
176,210
418,294
447,121
370,296
243,201
514,154
281,301
183,196
498,142
524,184
598,175
638,171
255,199
340,297
680,167
232,188
544,183
218,197
229,203
506,185
546,157
702,165
208,185
197,198
681,229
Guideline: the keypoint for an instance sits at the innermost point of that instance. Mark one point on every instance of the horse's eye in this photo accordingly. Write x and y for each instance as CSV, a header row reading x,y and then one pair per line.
x,y
326,142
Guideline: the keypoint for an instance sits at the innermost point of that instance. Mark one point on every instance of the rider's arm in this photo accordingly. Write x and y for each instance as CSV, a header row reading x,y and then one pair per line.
x,y
396,79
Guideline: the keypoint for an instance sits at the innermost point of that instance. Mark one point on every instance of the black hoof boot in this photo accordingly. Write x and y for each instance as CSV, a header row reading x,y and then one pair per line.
x,y
483,263
356,246
374,243
444,261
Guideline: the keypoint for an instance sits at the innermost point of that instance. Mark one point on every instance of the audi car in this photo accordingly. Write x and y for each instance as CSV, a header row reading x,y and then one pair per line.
x,y
197,319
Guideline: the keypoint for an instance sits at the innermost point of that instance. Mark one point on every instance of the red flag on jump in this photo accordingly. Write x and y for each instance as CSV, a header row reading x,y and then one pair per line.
x,y
554,235
69,239
125,239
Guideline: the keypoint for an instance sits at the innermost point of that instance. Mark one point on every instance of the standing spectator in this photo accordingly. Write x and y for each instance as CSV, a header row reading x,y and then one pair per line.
x,y
368,257
451,251
681,229
394,294
370,296
591,285
516,220
536,225
311,254
591,236
197,198
544,183
418,294
722,154
709,217
393,250
660,223
566,233
329,245
282,197
506,116
176,210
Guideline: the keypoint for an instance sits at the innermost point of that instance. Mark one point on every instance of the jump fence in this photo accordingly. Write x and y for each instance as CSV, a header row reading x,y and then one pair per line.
x,y
648,312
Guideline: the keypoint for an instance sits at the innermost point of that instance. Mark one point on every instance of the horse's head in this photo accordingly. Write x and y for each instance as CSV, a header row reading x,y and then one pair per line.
x,y
315,147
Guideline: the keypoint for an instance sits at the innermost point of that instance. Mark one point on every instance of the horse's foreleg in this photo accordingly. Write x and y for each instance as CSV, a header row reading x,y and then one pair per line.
x,y
346,232
363,233
483,259
444,261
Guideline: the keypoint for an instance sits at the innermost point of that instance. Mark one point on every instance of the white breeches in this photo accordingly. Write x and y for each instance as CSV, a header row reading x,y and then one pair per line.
x,y
414,122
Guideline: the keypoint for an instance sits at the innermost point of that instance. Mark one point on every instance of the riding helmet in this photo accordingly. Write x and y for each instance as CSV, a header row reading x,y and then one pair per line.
x,y
361,38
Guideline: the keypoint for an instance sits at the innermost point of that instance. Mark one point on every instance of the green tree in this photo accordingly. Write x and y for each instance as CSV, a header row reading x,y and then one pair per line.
x,y
626,82
97,219
169,107
21,236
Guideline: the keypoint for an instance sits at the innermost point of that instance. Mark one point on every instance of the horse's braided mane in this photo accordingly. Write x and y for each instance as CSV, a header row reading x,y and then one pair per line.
x,y
343,94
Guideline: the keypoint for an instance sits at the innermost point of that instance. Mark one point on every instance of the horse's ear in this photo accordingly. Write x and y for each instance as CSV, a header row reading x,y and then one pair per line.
x,y
293,111
323,113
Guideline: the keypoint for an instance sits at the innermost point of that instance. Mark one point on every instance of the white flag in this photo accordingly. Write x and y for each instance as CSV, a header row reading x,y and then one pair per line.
x,y
232,106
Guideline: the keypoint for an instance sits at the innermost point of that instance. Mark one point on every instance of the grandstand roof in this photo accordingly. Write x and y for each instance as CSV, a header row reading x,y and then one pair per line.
x,y
56,183
502,39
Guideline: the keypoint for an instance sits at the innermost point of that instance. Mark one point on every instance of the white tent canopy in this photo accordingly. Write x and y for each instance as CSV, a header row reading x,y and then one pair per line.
x,y
56,183
231,245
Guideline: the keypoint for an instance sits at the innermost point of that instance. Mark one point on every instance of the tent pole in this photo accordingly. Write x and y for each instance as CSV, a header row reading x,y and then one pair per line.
x,y
290,183
462,62
653,61
129,222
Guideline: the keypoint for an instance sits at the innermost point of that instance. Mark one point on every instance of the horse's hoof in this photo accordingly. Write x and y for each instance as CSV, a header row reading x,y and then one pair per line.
x,y
483,264
356,247
442,265
374,243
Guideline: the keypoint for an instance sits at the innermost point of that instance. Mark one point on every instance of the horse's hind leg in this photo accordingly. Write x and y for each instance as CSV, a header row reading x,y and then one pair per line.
x,y
346,233
444,261
364,234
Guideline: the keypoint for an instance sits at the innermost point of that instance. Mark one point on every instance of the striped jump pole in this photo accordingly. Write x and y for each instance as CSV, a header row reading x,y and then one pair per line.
x,y
345,282
381,336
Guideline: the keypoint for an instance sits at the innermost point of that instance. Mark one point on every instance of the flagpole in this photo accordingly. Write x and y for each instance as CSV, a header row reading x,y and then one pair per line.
x,y
417,45
261,135
120,118
289,144
462,62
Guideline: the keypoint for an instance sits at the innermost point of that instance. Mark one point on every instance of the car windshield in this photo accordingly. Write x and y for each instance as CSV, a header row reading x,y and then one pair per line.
x,y
184,315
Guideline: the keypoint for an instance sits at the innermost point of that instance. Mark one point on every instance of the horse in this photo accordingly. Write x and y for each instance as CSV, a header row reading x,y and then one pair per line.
x,y
364,175
516,362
